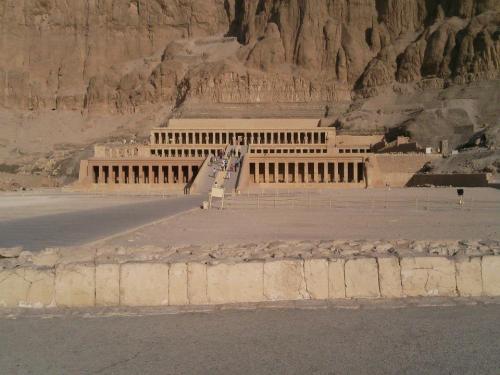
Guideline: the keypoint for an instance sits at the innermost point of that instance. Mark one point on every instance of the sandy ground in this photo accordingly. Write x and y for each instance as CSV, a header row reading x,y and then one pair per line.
x,y
364,220
32,204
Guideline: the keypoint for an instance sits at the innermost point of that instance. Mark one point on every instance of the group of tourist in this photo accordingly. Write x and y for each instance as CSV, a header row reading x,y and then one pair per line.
x,y
223,162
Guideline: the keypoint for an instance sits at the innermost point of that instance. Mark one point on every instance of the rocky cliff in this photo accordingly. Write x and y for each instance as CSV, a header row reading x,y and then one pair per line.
x,y
115,55
52,50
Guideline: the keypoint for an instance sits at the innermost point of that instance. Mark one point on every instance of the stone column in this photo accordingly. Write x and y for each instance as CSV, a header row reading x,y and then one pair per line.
x,y
335,172
161,175
111,174
355,172
296,173
141,174
170,174
266,172
151,175
286,173
316,173
190,170
306,172
326,174
345,169
101,179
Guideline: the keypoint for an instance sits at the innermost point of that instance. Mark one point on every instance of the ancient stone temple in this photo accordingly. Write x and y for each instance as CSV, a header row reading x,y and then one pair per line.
x,y
273,153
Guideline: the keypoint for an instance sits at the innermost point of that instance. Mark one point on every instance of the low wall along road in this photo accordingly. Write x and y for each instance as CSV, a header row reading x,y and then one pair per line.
x,y
153,281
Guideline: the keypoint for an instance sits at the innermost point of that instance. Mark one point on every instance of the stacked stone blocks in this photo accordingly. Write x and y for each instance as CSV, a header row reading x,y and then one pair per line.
x,y
159,284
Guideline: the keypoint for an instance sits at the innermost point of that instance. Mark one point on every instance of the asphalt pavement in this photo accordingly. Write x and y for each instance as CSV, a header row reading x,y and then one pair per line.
x,y
84,226
411,340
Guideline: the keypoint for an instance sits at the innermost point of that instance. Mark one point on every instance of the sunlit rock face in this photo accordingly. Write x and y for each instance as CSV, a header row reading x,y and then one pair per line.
x,y
116,56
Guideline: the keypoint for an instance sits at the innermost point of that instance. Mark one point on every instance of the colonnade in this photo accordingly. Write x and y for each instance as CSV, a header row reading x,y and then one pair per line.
x,y
306,172
172,173
217,137
184,152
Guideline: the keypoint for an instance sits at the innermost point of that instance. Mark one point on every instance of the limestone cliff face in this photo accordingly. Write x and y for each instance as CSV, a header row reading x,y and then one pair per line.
x,y
118,55
51,49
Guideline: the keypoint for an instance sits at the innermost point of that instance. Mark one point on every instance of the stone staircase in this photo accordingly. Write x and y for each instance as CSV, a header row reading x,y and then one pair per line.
x,y
204,179
231,183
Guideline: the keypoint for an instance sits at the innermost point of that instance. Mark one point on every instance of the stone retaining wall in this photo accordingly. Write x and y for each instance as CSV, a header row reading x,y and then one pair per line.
x,y
156,283
455,179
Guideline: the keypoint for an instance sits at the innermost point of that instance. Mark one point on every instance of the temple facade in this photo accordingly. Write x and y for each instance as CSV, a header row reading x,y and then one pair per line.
x,y
273,152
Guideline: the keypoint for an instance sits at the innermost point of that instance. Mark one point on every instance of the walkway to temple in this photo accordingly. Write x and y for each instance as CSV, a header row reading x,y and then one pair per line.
x,y
82,226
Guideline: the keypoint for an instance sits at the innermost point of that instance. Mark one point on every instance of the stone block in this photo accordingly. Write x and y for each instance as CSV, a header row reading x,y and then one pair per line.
x,y
27,287
10,252
316,276
468,276
107,285
491,275
75,285
178,284
361,278
390,277
428,276
47,258
197,284
144,284
233,283
284,280
41,292
336,279
13,288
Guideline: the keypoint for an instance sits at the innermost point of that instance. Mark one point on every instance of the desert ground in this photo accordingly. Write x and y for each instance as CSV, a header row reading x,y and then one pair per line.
x,y
423,214
38,219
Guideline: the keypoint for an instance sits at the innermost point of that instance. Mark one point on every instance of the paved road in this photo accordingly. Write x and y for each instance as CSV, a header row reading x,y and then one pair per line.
x,y
411,340
80,227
